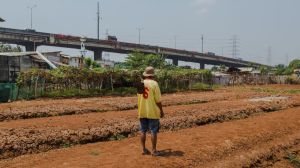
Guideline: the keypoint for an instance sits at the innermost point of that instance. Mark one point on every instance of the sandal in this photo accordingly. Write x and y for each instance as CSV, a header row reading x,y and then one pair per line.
x,y
156,153
146,152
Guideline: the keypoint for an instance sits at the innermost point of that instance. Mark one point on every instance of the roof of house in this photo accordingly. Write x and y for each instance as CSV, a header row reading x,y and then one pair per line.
x,y
2,20
246,69
218,74
256,72
17,54
37,55
69,56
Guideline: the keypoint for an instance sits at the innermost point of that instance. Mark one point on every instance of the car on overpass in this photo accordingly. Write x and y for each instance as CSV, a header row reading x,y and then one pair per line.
x,y
210,53
112,38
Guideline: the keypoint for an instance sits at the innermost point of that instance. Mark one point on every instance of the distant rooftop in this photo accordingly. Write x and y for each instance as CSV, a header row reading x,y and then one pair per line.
x,y
2,20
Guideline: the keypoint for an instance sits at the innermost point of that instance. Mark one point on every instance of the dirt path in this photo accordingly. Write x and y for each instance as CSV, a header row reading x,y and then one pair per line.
x,y
231,144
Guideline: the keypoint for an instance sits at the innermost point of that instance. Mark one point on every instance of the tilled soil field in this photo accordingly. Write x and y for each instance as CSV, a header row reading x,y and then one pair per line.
x,y
59,107
39,134
36,135
258,141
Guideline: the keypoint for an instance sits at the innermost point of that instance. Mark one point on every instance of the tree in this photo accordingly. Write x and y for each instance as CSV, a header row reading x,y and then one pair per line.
x,y
280,69
295,64
264,70
135,60
9,48
222,68
88,62
139,60
95,64
214,68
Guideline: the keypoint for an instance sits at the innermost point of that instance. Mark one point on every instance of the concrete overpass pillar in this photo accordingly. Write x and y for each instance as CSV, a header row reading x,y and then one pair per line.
x,y
30,47
98,55
175,61
202,66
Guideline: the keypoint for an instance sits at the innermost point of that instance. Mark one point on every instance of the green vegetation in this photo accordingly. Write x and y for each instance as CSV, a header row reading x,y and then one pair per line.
x,y
287,70
293,91
66,145
264,70
139,61
94,81
89,63
201,87
9,48
293,159
221,68
275,91
117,137
94,153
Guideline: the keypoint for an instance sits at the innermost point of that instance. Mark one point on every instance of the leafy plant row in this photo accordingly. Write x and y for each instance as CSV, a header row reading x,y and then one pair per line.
x,y
103,81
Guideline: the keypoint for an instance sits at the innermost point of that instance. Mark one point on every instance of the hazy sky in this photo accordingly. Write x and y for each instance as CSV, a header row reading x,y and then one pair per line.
x,y
258,24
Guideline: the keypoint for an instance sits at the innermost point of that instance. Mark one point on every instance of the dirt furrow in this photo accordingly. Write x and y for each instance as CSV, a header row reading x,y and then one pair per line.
x,y
32,137
239,143
48,108
262,151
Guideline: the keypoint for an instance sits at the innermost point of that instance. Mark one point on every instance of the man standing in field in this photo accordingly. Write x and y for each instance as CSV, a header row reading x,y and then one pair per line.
x,y
150,110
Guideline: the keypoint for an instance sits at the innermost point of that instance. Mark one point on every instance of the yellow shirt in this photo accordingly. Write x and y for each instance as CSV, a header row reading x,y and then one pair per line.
x,y
147,107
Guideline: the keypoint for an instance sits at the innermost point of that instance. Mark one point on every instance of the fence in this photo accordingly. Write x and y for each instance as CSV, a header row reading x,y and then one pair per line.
x,y
12,92
8,92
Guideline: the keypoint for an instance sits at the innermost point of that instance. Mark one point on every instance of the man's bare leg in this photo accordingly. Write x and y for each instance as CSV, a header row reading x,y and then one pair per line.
x,y
143,143
154,142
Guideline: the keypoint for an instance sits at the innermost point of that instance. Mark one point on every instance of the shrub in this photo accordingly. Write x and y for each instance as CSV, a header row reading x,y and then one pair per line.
x,y
201,86
73,82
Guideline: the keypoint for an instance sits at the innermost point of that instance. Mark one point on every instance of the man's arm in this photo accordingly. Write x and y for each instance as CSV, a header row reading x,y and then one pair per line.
x,y
162,114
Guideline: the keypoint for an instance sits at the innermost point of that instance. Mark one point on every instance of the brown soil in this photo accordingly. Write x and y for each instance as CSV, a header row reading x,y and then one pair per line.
x,y
50,107
43,134
252,142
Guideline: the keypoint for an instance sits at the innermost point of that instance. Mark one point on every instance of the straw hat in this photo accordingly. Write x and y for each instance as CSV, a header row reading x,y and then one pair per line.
x,y
149,71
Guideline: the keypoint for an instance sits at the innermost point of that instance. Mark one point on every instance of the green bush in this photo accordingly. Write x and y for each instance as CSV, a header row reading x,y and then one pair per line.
x,y
75,82
291,80
201,86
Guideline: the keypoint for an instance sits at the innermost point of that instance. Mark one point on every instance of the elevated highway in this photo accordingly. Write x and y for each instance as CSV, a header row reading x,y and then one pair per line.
x,y
32,39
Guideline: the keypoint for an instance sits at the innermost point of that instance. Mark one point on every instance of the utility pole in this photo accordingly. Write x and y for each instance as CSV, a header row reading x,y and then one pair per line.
x,y
175,42
107,56
98,21
106,33
287,59
140,29
202,39
222,51
31,8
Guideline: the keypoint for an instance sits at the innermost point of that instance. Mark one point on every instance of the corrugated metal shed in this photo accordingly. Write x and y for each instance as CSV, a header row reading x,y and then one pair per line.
x,y
12,63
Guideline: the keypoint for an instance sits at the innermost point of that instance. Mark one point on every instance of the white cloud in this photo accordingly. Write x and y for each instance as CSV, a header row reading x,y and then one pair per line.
x,y
203,6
